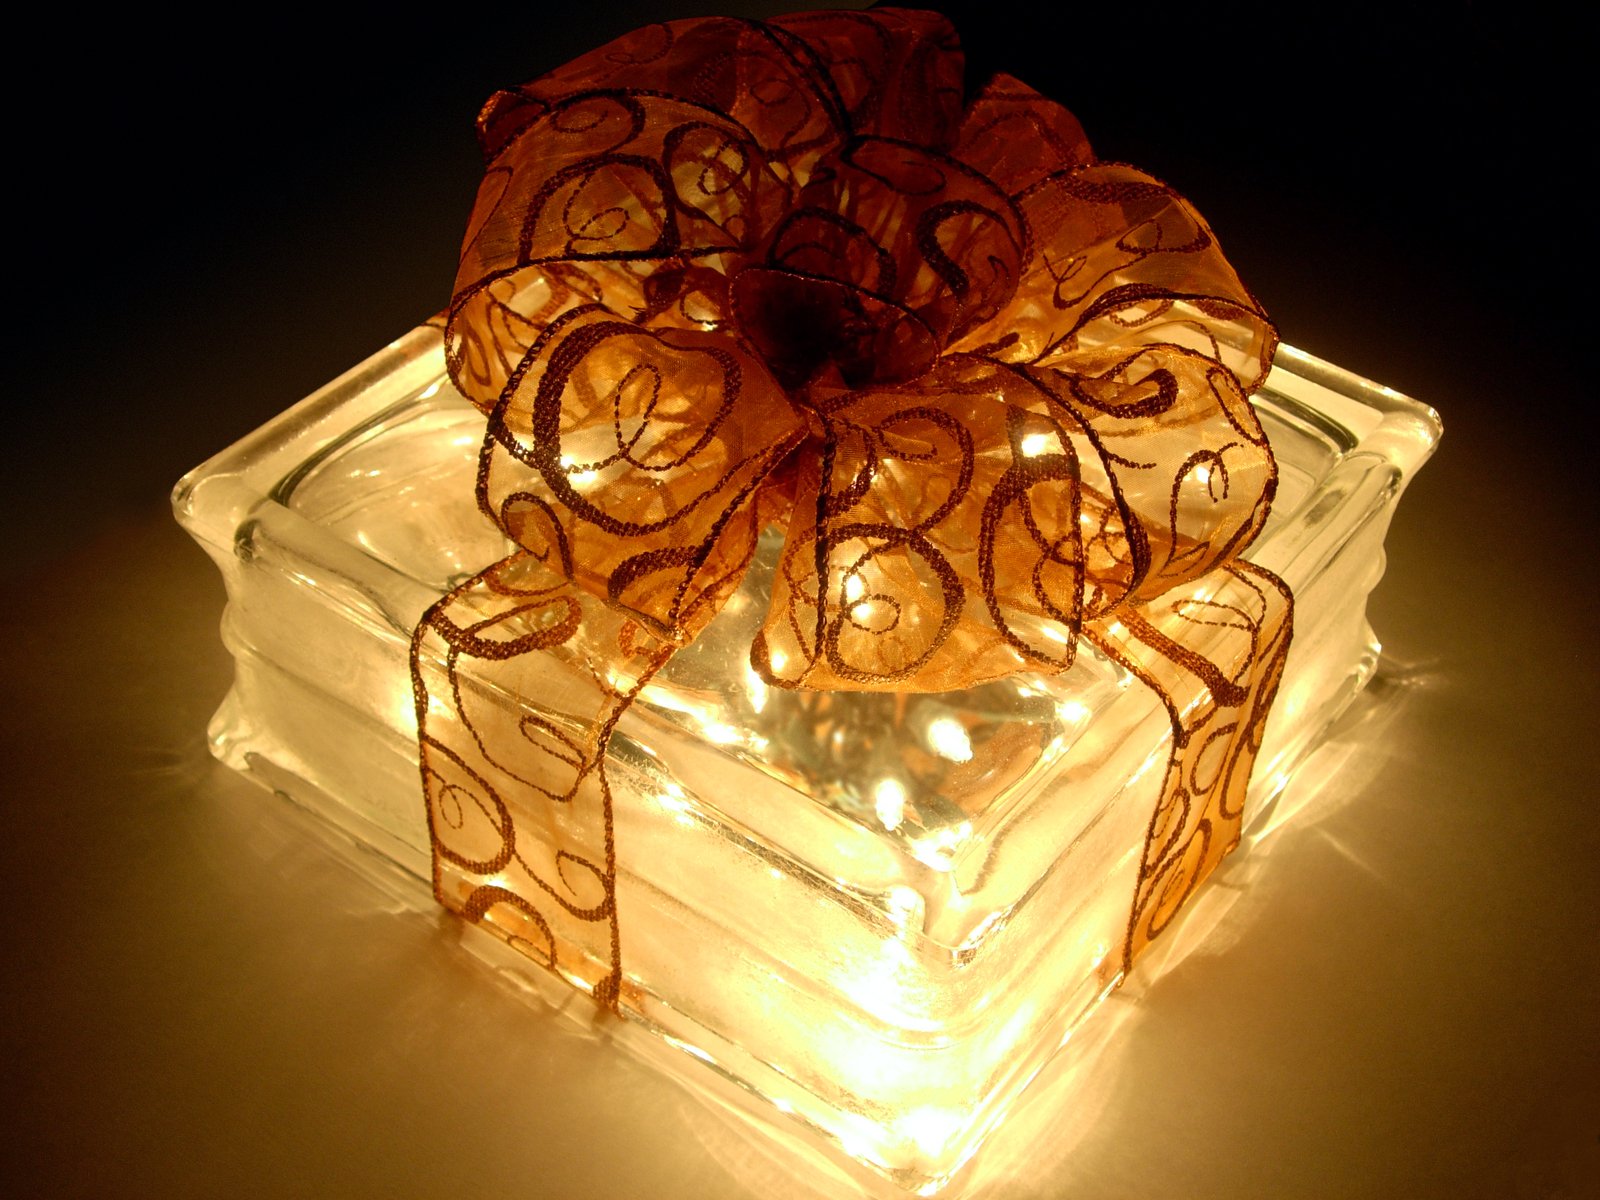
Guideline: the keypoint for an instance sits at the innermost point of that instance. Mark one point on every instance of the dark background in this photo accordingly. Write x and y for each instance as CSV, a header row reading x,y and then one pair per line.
x,y
219,218
198,998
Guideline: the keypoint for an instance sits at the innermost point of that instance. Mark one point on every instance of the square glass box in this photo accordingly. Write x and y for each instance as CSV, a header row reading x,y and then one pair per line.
x,y
877,916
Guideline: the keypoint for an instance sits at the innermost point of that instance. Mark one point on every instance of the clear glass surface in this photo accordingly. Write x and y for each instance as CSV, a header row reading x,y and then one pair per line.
x,y
877,915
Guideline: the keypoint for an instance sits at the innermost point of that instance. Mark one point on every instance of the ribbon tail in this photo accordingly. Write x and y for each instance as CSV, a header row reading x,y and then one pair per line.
x,y
1213,651
514,729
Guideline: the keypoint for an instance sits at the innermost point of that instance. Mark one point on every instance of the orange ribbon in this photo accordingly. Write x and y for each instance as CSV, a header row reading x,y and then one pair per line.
x,y
726,274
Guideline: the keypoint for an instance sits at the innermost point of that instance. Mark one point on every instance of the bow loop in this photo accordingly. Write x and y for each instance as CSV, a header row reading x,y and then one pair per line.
x,y
624,457
934,541
892,251
1120,259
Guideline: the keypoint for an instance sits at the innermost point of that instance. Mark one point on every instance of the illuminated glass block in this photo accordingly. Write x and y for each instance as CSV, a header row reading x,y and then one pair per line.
x,y
879,914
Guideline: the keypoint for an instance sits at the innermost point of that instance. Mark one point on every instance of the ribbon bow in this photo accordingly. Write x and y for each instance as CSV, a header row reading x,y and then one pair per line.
x,y
723,275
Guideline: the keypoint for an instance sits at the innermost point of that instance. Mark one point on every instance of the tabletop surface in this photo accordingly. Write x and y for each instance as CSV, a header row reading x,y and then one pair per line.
x,y
208,994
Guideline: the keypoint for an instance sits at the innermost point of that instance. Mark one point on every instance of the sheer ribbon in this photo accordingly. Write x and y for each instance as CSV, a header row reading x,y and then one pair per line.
x,y
728,274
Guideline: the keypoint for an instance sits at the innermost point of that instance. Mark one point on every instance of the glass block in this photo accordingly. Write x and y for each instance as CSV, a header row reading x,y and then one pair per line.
x,y
877,915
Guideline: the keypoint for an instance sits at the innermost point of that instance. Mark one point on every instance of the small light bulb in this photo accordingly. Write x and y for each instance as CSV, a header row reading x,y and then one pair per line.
x,y
889,798
948,739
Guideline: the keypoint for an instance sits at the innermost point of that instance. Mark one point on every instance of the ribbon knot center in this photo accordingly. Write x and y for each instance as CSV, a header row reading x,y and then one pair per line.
x,y
812,330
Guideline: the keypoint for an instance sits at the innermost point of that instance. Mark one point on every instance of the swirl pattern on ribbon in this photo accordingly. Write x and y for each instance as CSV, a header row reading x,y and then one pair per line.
x,y
725,274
